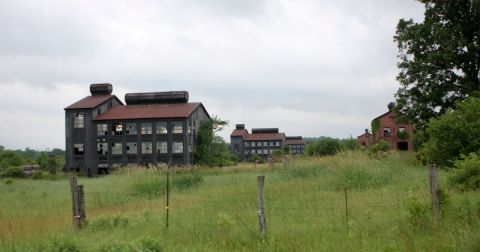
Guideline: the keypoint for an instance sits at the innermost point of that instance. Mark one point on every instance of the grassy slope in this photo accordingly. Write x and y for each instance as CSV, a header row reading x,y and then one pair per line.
x,y
304,205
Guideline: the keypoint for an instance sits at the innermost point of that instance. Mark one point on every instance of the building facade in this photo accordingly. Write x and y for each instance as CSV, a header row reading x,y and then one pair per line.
x,y
399,135
296,144
261,142
152,128
365,139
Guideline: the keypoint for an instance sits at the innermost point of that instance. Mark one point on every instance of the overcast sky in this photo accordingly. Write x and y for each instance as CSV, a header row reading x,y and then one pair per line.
x,y
308,67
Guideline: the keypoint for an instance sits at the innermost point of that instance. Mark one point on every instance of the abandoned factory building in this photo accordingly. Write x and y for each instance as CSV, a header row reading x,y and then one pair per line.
x,y
398,134
102,133
262,142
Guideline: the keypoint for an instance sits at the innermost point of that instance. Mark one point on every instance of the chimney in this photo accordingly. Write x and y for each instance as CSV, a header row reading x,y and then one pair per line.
x,y
391,105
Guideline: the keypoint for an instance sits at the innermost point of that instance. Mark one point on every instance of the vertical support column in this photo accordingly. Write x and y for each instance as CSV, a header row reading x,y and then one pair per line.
x,y
262,219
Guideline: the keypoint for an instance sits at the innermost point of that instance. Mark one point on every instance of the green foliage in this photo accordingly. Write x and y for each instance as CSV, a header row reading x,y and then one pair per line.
x,y
439,61
254,158
64,245
211,149
13,172
47,162
455,133
349,144
375,127
418,212
323,147
402,135
10,158
466,174
379,149
154,185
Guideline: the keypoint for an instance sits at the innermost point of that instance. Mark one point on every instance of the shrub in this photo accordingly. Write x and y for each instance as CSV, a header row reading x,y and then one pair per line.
x,y
349,144
323,147
379,149
13,172
255,158
455,133
466,174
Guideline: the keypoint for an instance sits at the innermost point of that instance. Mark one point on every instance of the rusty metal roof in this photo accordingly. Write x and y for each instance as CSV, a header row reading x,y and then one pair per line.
x,y
91,102
264,137
239,132
150,111
295,141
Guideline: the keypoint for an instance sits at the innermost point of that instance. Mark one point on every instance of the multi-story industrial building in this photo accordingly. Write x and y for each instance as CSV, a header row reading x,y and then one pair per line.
x,y
102,133
261,142
296,144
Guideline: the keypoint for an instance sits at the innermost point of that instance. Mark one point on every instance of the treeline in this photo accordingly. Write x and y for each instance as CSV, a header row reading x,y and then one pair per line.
x,y
323,146
12,160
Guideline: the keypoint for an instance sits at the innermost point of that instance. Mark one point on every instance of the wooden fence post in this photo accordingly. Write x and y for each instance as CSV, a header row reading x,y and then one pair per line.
x,y
285,162
81,206
262,219
168,194
433,178
75,205
346,209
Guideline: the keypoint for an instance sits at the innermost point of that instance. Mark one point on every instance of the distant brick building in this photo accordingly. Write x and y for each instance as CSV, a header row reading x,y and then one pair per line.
x,y
261,142
365,139
296,145
398,135
102,133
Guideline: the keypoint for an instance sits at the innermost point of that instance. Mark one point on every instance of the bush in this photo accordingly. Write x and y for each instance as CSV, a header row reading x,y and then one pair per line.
x,y
323,147
466,174
349,144
255,158
13,172
455,133
379,149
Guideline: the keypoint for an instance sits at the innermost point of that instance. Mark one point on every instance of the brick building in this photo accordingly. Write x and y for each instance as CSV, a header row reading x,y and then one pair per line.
x,y
398,135
365,139
261,142
102,133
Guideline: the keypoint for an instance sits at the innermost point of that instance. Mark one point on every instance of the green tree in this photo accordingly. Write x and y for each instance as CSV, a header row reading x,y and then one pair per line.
x,y
439,59
324,146
454,134
10,158
211,149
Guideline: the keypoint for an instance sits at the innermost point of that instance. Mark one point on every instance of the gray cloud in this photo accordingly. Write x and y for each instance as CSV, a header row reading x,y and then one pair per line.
x,y
308,67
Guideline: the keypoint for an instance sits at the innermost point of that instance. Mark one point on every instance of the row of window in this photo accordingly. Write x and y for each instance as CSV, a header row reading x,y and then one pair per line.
x,y
296,146
145,128
297,151
131,148
259,151
262,143
387,131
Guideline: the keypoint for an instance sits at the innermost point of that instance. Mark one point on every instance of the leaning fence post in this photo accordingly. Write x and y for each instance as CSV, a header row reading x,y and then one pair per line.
x,y
433,178
262,219
75,206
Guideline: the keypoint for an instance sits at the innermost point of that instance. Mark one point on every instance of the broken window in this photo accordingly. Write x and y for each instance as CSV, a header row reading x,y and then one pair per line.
x,y
117,148
162,128
247,144
102,129
102,148
277,144
162,147
387,131
401,129
131,129
78,148
147,147
177,147
131,148
79,120
177,128
146,128
265,144
259,151
253,144
117,128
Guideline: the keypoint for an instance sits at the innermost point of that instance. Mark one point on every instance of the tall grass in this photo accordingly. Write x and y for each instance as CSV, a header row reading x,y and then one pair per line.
x,y
215,209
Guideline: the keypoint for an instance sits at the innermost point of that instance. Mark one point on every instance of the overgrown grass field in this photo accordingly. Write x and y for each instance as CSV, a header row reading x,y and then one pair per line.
x,y
215,209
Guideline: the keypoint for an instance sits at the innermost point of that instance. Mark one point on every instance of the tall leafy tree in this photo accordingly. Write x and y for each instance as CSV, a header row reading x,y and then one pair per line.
x,y
211,148
439,59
